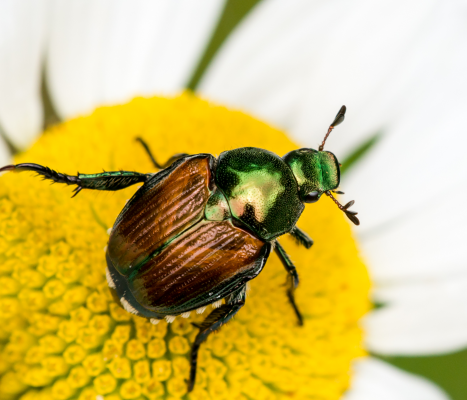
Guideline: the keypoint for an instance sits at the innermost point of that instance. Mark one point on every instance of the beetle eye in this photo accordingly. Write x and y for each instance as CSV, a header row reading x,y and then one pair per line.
x,y
312,197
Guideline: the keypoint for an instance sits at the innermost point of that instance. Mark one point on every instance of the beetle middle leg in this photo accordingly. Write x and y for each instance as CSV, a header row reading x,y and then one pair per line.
x,y
169,162
114,180
214,321
293,278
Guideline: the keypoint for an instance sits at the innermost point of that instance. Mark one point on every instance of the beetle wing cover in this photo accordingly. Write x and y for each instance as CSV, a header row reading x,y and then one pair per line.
x,y
201,266
167,204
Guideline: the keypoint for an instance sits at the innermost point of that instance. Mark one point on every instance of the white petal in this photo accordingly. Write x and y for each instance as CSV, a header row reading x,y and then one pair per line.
x,y
22,37
295,63
427,317
428,242
5,156
408,191
108,51
422,154
376,380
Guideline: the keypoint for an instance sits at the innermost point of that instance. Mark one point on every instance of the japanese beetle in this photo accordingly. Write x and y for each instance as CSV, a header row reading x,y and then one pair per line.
x,y
198,230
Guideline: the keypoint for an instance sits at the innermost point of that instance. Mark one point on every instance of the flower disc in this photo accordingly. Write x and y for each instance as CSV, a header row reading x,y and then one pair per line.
x,y
63,336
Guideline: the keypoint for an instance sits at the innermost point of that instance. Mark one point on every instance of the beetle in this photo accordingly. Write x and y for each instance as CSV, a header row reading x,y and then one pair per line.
x,y
201,228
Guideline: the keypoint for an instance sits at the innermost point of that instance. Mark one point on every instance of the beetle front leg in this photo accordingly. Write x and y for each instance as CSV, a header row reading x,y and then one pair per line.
x,y
115,180
293,278
301,237
214,321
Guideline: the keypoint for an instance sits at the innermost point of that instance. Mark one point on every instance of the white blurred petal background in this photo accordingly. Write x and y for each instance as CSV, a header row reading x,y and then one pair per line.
x,y
22,43
375,379
107,51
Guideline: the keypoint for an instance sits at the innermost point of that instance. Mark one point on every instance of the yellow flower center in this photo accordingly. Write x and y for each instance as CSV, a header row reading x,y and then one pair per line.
x,y
62,336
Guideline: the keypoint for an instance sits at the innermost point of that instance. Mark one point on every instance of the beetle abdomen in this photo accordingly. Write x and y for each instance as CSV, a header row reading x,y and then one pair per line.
x,y
201,266
167,204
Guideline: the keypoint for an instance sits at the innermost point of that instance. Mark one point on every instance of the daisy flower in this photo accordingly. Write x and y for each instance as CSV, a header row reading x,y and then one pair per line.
x,y
398,68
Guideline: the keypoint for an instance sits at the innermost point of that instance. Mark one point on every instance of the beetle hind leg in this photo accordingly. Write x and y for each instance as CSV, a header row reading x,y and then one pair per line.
x,y
214,321
292,281
45,172
112,181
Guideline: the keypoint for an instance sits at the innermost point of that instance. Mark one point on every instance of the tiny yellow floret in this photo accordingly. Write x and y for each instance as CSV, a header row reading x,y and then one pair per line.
x,y
62,334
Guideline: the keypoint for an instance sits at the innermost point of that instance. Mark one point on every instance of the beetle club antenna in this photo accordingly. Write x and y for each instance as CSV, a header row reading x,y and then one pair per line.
x,y
350,214
339,118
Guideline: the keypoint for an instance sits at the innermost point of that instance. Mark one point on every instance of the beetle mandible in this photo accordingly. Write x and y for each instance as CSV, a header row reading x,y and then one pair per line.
x,y
199,229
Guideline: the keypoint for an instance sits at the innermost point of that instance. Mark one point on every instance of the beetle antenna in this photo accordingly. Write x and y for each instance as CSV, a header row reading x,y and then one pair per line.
x,y
339,118
350,214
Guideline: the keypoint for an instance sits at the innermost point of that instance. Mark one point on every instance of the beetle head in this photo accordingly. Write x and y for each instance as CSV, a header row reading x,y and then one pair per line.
x,y
315,171
318,171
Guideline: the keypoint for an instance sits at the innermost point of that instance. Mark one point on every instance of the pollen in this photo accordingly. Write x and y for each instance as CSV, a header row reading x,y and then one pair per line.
x,y
63,335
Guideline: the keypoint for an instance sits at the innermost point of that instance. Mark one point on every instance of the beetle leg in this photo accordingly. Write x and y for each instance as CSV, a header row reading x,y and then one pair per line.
x,y
293,278
169,162
115,180
214,321
285,260
301,237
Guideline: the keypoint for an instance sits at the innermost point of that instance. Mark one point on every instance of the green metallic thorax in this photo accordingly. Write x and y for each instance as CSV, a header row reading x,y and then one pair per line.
x,y
261,190
315,171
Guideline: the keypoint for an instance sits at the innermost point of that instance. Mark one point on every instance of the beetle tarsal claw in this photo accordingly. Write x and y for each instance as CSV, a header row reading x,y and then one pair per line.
x,y
200,310
154,321
170,318
110,281
186,314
